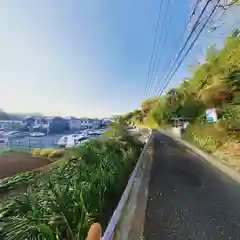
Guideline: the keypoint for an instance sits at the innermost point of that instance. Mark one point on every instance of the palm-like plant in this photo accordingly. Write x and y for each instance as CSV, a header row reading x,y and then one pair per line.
x,y
63,202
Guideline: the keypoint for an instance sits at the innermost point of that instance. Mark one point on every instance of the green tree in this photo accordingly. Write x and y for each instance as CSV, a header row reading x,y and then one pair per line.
x,y
147,105
4,115
214,83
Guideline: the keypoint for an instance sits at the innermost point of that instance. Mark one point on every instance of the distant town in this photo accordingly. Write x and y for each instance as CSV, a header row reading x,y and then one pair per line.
x,y
48,125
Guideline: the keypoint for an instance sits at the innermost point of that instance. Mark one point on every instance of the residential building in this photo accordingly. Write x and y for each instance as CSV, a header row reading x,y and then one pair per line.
x,y
91,123
11,125
95,123
85,122
74,123
28,121
57,124
46,124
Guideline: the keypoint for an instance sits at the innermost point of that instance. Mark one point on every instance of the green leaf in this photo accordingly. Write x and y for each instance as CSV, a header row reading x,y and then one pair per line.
x,y
45,230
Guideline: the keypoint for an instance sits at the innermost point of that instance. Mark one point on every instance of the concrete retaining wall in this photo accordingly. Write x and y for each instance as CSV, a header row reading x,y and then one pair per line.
x,y
127,221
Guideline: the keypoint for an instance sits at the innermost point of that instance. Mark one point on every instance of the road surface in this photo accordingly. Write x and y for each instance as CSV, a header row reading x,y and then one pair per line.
x,y
188,198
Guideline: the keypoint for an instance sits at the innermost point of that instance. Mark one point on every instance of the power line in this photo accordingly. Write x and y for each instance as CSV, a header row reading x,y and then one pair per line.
x,y
163,45
187,40
154,45
157,48
183,32
189,49
156,59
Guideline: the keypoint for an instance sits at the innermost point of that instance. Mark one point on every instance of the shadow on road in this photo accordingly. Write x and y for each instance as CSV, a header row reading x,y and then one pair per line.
x,y
188,198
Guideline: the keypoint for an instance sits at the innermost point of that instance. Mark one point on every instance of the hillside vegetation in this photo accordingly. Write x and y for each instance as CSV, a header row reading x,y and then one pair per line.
x,y
62,202
215,83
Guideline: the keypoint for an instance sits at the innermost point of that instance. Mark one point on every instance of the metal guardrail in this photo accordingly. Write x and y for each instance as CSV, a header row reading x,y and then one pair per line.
x,y
110,230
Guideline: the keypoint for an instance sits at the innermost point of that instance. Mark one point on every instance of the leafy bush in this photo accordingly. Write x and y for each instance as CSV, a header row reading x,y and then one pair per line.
x,y
214,83
14,182
48,152
231,113
56,153
206,136
36,151
62,202
118,130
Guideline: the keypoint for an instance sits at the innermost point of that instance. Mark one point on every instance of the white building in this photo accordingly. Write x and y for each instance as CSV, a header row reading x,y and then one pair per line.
x,y
9,124
90,123
74,123
79,123
85,122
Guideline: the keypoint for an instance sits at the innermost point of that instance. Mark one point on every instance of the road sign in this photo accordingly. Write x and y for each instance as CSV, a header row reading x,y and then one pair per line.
x,y
211,115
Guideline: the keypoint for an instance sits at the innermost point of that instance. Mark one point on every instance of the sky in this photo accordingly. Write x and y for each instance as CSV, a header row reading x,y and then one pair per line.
x,y
85,57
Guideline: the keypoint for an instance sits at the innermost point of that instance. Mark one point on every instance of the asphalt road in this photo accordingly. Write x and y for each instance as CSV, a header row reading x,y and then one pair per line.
x,y
188,198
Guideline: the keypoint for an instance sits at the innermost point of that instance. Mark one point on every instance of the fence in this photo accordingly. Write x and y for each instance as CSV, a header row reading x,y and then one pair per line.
x,y
126,220
31,143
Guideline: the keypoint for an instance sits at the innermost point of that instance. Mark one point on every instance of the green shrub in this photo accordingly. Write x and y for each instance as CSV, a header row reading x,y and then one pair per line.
x,y
230,119
48,152
207,136
36,151
62,202
55,153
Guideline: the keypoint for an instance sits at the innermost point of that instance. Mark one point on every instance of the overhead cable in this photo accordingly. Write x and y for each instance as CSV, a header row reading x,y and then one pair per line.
x,y
154,45
186,42
189,49
185,28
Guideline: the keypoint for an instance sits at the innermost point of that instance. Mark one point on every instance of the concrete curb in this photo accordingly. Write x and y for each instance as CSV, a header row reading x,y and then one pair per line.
x,y
208,157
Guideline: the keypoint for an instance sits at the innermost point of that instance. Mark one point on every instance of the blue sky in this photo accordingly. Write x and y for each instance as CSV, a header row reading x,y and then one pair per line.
x,y
83,57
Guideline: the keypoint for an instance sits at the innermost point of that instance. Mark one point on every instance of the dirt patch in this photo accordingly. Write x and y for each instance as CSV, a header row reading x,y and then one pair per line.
x,y
16,162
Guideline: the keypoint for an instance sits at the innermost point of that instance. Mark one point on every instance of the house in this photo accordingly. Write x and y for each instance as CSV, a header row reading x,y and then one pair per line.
x,y
28,121
57,124
35,124
83,123
46,124
11,125
91,122
60,124
74,123
95,123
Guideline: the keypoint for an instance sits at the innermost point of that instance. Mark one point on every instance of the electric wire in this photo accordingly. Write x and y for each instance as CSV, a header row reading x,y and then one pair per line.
x,y
189,49
183,32
154,45
186,42
158,48
163,46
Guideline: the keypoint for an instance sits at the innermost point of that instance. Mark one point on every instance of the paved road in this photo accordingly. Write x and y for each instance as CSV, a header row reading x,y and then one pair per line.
x,y
188,199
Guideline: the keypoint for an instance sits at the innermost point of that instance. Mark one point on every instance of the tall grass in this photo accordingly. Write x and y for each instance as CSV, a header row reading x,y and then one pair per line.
x,y
63,202
207,136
